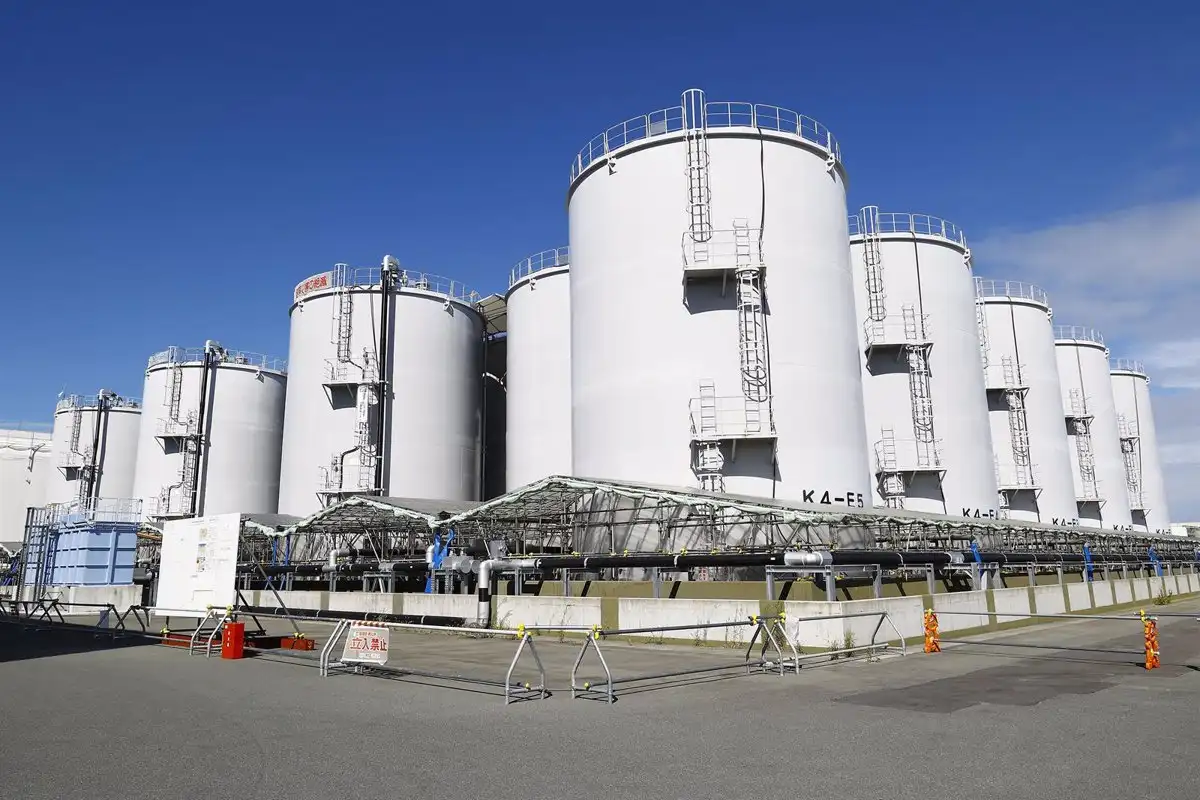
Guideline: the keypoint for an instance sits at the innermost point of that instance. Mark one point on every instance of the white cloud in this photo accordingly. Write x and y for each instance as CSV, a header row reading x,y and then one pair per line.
x,y
1135,275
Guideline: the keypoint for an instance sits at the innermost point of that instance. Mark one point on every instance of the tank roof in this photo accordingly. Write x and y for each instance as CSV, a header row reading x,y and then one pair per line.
x,y
1077,333
547,259
115,401
1017,290
904,222
1129,365
195,355
716,115
344,275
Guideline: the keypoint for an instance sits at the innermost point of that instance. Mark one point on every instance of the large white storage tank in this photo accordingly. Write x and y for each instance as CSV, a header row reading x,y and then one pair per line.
x,y
1033,460
359,335
1091,419
95,441
211,433
1139,447
538,377
712,314
25,463
926,406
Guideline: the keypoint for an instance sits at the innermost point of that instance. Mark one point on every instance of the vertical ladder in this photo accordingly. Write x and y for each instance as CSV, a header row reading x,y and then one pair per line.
x,y
368,454
981,326
1082,426
175,393
914,328
920,396
708,407
1132,459
709,465
873,261
695,121
76,425
1018,429
891,482
752,322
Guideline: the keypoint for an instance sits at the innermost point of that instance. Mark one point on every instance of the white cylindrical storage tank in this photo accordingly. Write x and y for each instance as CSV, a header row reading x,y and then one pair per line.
x,y
418,345
212,432
712,315
538,442
95,443
1091,418
25,463
1139,447
926,406
1033,460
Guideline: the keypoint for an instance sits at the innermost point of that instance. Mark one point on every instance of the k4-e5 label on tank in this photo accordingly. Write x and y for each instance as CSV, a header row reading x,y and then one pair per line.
x,y
980,513
828,498
1063,521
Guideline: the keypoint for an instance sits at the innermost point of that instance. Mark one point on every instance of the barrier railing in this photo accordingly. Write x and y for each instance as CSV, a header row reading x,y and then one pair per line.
x,y
985,287
1128,365
920,224
1078,333
195,355
547,259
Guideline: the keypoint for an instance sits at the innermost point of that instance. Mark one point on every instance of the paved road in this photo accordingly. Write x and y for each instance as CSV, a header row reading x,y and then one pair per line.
x,y
1002,716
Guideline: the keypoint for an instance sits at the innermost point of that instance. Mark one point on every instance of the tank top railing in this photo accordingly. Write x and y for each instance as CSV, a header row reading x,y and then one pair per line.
x,y
1027,291
1128,365
93,401
1078,333
719,114
547,259
195,355
920,224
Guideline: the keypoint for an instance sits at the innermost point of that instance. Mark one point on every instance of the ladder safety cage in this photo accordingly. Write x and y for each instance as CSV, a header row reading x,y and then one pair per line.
x,y
699,194
873,262
1081,428
1131,456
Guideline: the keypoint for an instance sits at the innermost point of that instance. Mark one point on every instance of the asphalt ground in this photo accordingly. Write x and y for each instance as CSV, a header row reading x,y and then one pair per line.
x,y
1062,710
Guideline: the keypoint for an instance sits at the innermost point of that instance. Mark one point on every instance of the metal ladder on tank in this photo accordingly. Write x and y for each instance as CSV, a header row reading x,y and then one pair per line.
x,y
695,119
891,481
1018,421
1129,454
710,461
186,486
368,454
982,327
919,392
1081,425
76,430
752,321
873,261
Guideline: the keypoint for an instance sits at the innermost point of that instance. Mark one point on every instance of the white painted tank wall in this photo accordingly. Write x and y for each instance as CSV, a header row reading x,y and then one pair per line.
x,y
25,465
118,448
1018,325
243,434
925,266
538,442
1083,366
436,385
1131,395
638,352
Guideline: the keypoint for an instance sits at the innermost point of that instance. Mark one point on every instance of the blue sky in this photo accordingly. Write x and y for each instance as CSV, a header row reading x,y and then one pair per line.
x,y
172,170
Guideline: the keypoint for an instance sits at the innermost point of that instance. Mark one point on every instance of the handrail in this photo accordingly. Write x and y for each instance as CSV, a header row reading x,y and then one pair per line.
x,y
93,401
985,287
920,224
719,114
1078,333
195,355
345,276
558,257
1128,365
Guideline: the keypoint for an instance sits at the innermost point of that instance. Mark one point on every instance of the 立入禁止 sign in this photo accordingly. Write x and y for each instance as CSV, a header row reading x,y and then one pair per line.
x,y
366,644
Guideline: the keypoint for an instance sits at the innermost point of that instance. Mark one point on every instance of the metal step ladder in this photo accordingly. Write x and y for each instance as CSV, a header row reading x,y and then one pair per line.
x,y
695,122
76,426
1132,457
982,327
343,318
873,261
708,408
368,454
709,465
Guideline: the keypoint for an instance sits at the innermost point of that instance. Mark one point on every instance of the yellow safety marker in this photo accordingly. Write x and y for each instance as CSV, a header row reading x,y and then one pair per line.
x,y
521,629
933,639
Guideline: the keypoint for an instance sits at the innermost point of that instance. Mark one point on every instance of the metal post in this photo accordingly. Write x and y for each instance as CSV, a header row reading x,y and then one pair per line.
x,y
878,582
1060,575
931,579
1031,570
830,585
656,582
566,582
770,584
517,582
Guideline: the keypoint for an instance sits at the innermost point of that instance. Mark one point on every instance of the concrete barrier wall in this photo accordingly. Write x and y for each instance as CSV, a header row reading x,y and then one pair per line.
x,y
1079,597
1122,591
529,610
640,612
1014,601
1141,588
365,602
1192,581
960,602
121,597
906,613
419,604
1102,593
1049,600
